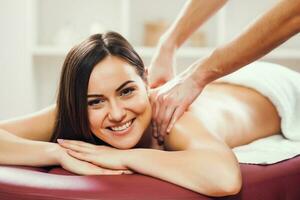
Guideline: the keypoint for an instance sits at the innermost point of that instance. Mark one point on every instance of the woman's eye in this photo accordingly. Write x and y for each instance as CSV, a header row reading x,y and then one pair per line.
x,y
127,91
95,102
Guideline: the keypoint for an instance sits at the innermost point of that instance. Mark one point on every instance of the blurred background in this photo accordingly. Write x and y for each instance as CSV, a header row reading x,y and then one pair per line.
x,y
36,35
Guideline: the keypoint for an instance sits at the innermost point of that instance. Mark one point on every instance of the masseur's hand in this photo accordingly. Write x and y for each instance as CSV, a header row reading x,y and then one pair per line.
x,y
83,167
99,155
170,101
161,66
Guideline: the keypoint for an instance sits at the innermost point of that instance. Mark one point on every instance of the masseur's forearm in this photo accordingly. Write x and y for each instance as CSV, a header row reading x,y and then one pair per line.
x,y
272,29
207,171
192,16
19,151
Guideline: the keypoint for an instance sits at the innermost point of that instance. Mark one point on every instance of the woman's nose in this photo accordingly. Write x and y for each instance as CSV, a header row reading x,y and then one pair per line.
x,y
116,113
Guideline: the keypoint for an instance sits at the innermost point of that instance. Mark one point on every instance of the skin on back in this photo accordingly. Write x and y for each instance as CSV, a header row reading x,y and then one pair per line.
x,y
226,113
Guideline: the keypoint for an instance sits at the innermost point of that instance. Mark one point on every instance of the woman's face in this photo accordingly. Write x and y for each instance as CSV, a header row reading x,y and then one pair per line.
x,y
119,110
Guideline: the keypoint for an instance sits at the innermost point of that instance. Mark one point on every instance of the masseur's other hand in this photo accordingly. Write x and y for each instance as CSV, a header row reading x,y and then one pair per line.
x,y
161,69
82,167
170,101
101,156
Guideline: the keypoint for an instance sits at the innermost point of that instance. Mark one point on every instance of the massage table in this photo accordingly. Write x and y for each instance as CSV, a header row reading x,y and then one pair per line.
x,y
277,181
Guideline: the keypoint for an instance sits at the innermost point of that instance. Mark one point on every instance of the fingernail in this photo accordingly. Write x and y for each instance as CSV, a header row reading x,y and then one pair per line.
x,y
168,130
60,140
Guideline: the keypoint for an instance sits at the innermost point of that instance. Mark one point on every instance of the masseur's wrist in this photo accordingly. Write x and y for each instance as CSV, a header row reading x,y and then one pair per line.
x,y
206,70
168,43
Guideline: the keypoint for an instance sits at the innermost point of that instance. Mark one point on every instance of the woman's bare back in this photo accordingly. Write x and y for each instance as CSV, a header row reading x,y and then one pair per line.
x,y
236,114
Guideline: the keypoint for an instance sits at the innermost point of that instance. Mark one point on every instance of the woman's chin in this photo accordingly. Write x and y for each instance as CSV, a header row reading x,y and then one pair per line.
x,y
124,145
127,139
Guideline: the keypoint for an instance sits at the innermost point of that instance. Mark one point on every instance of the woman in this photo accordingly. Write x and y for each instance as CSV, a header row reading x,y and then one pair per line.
x,y
102,124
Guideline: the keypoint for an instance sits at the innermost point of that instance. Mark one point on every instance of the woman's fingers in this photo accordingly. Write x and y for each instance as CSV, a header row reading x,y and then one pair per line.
x,y
76,145
78,155
93,168
76,142
85,164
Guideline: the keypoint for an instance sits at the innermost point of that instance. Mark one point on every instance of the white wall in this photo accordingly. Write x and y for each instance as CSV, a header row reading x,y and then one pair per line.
x,y
16,93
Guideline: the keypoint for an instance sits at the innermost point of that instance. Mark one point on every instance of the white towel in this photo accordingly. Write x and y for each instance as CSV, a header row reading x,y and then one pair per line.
x,y
282,86
267,150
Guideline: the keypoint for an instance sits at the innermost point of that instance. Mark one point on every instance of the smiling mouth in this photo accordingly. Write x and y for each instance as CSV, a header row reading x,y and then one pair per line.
x,y
123,127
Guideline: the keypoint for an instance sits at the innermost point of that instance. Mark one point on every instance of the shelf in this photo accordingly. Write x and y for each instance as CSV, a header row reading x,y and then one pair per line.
x,y
187,52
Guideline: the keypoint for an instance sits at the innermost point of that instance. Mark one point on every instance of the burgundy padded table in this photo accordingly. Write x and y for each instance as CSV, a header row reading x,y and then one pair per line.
x,y
277,181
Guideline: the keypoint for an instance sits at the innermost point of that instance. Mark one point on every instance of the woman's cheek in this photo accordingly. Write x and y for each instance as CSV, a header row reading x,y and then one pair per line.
x,y
95,118
139,104
142,108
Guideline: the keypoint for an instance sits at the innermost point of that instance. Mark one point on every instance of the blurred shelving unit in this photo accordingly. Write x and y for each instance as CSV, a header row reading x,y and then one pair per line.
x,y
59,24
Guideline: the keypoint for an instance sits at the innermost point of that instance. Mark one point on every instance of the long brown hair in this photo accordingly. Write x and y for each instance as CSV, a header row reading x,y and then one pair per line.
x,y
72,117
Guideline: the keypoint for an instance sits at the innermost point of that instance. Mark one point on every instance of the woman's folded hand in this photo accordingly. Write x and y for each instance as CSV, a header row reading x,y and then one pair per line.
x,y
94,156
74,164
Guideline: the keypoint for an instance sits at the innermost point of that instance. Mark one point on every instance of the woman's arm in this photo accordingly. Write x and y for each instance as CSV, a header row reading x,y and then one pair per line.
x,y
15,150
198,161
19,151
24,141
208,171
36,126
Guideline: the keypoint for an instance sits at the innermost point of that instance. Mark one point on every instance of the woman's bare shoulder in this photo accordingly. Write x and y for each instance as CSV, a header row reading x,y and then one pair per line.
x,y
35,126
189,133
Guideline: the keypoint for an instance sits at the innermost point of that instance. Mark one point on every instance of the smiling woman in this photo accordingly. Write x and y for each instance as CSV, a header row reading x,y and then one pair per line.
x,y
95,79
119,111
102,123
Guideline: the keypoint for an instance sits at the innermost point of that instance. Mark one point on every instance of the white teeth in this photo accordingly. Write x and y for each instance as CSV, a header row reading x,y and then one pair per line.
x,y
121,128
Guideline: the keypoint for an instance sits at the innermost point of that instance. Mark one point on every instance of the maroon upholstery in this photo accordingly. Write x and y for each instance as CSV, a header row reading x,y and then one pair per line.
x,y
278,181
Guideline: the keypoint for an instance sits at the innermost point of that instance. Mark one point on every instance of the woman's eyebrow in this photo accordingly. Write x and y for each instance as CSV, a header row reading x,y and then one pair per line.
x,y
123,85
118,89
94,95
